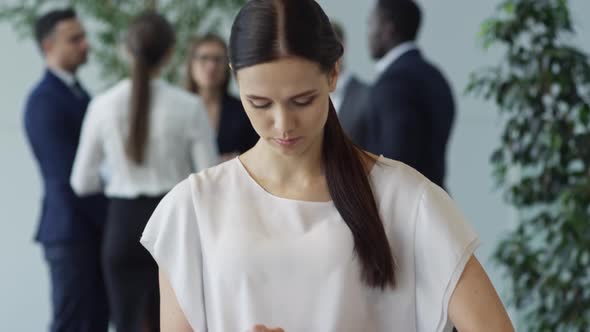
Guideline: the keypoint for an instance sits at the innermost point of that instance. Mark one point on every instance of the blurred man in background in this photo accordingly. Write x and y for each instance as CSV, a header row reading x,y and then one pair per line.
x,y
350,98
70,229
411,107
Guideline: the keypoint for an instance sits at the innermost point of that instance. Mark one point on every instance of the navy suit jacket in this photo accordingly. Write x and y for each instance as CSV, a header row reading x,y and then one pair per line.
x,y
53,120
235,132
352,113
410,115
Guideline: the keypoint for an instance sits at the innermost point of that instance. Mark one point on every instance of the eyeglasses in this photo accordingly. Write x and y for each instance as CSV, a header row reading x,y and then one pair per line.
x,y
216,59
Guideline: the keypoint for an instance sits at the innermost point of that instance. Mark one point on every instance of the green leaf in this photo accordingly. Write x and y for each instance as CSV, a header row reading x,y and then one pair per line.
x,y
541,89
112,18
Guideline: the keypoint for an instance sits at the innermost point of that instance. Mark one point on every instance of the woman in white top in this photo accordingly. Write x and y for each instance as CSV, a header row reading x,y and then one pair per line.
x,y
150,136
306,232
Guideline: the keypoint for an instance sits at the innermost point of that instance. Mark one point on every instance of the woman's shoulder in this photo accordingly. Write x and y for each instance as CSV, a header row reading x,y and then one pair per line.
x,y
110,102
113,94
178,96
395,181
393,171
181,203
196,186
215,180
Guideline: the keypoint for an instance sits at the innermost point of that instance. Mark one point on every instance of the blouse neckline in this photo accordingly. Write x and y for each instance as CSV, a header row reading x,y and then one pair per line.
x,y
261,189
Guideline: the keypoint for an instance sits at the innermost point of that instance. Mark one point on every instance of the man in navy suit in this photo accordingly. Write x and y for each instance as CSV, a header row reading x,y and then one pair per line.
x,y
350,97
411,108
70,229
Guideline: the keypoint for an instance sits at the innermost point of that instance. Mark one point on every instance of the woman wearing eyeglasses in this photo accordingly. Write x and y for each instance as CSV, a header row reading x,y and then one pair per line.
x,y
208,76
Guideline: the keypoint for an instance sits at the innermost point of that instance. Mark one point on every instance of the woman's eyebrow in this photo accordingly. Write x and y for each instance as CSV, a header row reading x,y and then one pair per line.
x,y
299,95
256,97
304,94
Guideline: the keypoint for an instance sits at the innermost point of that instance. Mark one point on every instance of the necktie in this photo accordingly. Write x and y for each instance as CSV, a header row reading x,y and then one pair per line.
x,y
77,89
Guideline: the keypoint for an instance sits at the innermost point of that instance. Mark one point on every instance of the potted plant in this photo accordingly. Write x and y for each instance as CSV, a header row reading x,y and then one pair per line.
x,y
542,90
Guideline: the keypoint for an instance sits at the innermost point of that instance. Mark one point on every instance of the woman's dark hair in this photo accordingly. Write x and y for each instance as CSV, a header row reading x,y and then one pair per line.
x,y
266,30
191,84
149,39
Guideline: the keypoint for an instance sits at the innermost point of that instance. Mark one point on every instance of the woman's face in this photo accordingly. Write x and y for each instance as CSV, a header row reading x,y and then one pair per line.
x,y
209,65
287,101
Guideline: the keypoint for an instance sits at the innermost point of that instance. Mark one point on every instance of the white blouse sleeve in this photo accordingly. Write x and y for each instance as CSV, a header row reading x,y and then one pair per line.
x,y
204,153
444,242
86,177
172,237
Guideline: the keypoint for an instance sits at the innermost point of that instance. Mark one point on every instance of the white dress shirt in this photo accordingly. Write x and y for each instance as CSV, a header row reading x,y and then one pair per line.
x,y
180,141
394,54
237,255
68,78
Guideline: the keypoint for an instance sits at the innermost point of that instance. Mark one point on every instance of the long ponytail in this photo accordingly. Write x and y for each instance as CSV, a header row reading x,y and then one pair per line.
x,y
139,111
149,40
353,197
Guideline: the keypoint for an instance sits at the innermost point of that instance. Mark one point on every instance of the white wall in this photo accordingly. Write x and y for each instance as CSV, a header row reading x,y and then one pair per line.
x,y
448,38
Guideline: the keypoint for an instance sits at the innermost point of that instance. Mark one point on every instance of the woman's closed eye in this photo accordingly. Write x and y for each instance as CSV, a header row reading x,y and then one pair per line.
x,y
260,104
304,101
299,102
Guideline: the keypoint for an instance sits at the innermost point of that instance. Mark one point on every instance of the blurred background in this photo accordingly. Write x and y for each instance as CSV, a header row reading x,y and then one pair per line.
x,y
449,38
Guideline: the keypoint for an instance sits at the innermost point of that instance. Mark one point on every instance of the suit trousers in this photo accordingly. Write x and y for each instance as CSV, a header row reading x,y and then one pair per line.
x,y
77,288
131,274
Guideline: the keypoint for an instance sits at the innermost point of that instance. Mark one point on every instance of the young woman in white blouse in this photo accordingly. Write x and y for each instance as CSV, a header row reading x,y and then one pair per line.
x,y
306,232
150,136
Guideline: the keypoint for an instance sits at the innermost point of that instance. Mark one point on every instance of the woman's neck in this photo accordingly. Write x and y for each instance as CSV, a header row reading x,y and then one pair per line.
x,y
284,169
155,72
211,96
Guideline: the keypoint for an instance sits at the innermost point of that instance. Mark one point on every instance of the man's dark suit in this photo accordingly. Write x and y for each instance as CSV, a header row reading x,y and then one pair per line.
x,y
70,228
352,112
411,113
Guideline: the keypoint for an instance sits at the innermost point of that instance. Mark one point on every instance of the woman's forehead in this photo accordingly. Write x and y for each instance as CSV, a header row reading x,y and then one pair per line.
x,y
282,76
210,46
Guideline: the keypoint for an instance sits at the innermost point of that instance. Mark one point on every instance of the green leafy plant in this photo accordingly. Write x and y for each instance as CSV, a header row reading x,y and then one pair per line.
x,y
108,21
542,90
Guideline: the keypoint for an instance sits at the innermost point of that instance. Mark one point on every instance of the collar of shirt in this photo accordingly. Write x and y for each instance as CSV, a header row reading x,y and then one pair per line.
x,y
394,54
68,78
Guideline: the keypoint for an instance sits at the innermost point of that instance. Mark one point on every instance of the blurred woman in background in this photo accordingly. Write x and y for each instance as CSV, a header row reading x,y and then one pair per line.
x,y
150,135
208,76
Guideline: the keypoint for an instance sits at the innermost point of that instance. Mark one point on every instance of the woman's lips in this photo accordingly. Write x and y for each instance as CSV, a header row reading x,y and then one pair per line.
x,y
287,142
